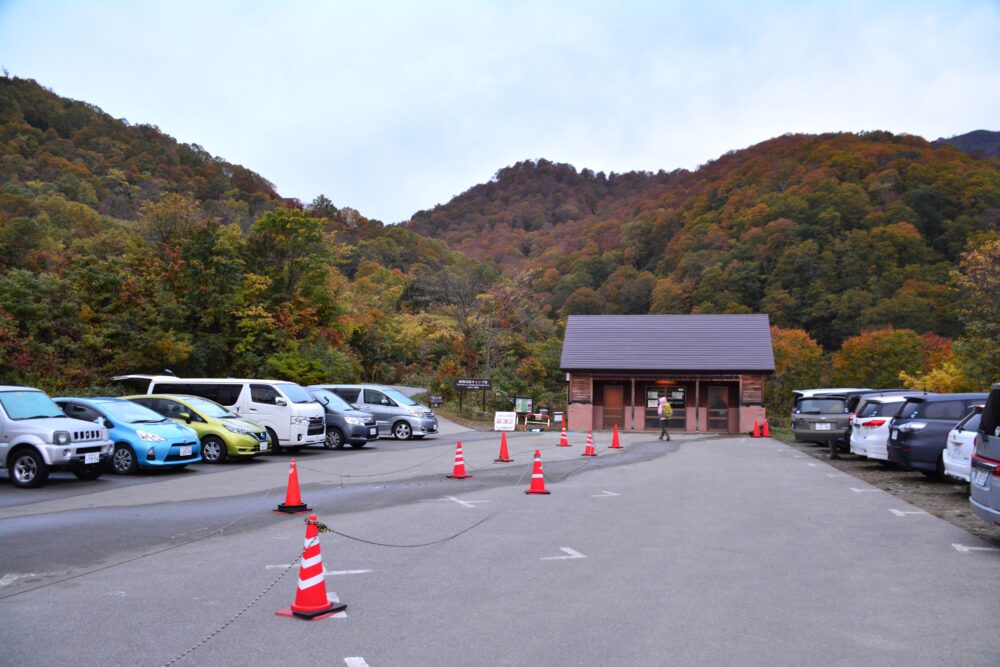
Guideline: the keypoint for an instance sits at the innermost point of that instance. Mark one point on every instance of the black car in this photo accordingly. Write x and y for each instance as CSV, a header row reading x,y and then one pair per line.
x,y
918,433
344,424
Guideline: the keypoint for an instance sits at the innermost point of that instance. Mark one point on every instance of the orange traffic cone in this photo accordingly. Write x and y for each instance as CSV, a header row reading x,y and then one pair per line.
x,y
615,442
756,429
767,431
459,471
589,449
563,440
311,602
504,458
293,501
537,477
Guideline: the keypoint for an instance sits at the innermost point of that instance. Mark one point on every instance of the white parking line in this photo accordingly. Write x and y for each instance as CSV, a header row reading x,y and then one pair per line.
x,y
961,548
572,555
865,490
332,597
8,579
355,662
463,503
605,494
329,573
904,512
812,465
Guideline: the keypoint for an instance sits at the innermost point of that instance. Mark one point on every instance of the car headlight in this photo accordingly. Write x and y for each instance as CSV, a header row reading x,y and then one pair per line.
x,y
61,437
146,436
233,428
416,412
355,421
300,420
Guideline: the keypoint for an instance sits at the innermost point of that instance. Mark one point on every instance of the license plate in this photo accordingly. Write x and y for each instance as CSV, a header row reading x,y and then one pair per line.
x,y
824,427
373,431
263,446
979,476
186,451
91,458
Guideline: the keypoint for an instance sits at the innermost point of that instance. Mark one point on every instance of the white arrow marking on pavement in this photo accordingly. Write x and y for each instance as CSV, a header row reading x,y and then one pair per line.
x,y
8,579
605,494
812,465
356,662
865,490
572,554
904,512
961,548
332,597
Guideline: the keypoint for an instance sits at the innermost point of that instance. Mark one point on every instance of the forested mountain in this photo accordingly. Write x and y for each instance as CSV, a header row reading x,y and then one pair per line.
x,y
835,233
122,250
982,143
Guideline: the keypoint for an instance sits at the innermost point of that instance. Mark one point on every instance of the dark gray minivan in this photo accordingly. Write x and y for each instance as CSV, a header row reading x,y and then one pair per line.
x,y
344,424
984,488
918,433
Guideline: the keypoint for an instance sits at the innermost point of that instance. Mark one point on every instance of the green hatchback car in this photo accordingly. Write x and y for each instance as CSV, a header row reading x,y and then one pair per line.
x,y
223,434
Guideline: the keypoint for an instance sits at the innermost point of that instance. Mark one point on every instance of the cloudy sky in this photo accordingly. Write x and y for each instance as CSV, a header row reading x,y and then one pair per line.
x,y
392,107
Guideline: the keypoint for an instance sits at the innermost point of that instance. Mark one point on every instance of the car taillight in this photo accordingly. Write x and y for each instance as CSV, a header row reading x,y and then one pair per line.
x,y
988,462
874,423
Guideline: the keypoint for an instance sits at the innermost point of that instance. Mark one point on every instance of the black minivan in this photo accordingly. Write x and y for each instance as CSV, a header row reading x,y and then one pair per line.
x,y
918,433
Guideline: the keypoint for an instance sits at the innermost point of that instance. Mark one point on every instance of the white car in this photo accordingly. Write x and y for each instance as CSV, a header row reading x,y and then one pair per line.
x,y
870,426
961,442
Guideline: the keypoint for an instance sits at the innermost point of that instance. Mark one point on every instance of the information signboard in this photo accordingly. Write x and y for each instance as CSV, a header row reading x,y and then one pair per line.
x,y
504,421
473,383
523,405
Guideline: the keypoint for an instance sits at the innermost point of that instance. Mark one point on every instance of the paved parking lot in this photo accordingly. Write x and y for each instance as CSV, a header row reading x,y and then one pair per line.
x,y
704,550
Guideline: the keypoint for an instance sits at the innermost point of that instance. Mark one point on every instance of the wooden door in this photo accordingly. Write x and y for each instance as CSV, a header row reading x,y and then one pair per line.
x,y
718,408
614,406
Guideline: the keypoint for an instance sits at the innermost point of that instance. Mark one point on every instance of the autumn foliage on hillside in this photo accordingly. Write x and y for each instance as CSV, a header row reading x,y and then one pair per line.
x,y
122,250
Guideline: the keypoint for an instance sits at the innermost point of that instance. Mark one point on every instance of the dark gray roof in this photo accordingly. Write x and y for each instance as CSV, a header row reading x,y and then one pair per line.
x,y
668,343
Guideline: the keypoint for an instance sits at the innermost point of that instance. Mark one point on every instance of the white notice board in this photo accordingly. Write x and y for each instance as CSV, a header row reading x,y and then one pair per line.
x,y
504,421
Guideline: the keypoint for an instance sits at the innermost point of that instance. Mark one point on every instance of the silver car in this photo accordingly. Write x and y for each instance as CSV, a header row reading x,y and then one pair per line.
x,y
36,437
395,413
984,490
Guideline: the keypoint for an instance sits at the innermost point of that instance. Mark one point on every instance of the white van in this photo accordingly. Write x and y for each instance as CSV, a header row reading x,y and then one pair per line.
x,y
292,417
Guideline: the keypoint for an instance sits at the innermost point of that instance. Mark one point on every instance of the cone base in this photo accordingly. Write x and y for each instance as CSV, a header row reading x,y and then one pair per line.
x,y
291,509
592,454
457,476
565,445
503,460
312,615
530,492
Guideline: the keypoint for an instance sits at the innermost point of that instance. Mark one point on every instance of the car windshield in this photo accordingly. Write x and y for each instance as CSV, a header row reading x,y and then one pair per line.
x,y
295,393
209,408
880,409
971,423
399,397
820,405
131,413
330,399
30,404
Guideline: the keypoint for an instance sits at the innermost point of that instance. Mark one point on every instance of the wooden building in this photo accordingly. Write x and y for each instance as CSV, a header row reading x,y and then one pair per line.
x,y
712,369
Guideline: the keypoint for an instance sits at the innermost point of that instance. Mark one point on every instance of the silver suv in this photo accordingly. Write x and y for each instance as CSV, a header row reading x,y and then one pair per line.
x,y
396,413
36,437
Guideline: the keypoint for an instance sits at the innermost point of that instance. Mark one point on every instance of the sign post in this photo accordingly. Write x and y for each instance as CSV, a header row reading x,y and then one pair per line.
x,y
475,384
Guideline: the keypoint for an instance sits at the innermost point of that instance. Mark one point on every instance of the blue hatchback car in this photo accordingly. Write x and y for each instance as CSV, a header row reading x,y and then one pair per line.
x,y
143,438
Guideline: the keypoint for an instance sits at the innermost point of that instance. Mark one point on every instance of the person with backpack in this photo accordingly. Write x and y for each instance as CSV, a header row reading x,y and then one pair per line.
x,y
664,412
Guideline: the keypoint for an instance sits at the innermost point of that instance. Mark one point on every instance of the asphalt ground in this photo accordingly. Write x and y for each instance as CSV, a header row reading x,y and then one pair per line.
x,y
704,550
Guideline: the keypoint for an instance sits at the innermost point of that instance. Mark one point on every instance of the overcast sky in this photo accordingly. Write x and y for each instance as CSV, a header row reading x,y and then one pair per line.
x,y
393,107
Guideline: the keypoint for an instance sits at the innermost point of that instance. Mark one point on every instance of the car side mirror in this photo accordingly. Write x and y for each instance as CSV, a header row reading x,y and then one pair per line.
x,y
280,401
186,416
108,424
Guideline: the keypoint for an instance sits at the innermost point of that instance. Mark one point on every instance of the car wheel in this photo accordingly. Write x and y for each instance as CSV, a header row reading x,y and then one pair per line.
x,y
402,431
123,460
334,438
88,472
273,441
213,450
28,469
